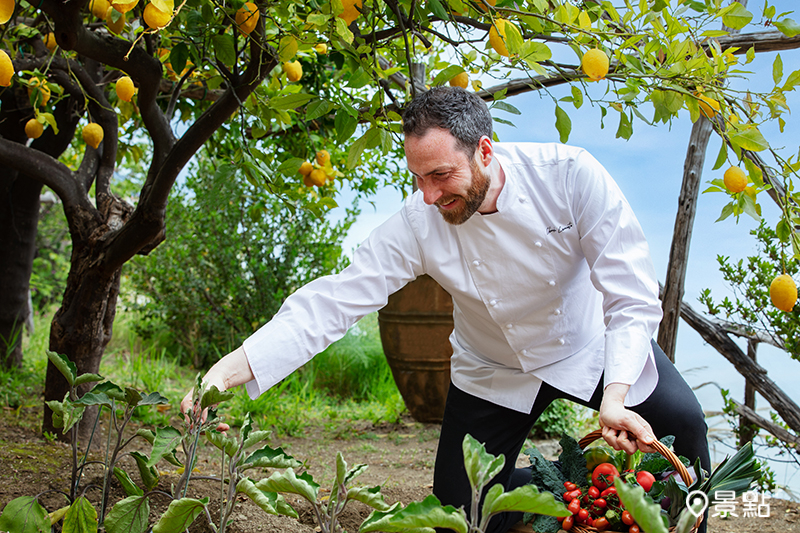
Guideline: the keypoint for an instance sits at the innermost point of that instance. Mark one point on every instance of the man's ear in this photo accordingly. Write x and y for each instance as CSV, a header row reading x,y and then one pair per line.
x,y
485,151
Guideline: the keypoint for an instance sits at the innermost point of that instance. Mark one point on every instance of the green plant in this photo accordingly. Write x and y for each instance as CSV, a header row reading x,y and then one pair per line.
x,y
561,417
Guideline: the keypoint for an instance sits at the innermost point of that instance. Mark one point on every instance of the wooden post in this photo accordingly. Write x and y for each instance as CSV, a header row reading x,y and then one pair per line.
x,y
746,430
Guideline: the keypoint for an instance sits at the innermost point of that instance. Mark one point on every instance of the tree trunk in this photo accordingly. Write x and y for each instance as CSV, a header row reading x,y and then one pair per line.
x,y
682,236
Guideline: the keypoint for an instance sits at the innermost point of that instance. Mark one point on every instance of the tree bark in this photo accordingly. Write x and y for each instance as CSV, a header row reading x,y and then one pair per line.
x,y
682,236
746,432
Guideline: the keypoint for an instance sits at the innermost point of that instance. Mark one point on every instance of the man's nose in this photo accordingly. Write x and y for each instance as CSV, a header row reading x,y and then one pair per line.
x,y
430,192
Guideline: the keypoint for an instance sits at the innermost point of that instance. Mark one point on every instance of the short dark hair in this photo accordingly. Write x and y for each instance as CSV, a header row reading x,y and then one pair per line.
x,y
461,113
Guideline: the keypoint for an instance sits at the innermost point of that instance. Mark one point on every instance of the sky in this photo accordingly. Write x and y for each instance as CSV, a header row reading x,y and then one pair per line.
x,y
649,170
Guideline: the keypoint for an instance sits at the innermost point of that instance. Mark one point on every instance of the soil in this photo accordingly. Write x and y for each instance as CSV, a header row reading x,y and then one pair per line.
x,y
400,459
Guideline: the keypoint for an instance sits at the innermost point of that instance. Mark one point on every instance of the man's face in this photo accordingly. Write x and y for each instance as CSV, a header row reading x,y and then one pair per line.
x,y
447,177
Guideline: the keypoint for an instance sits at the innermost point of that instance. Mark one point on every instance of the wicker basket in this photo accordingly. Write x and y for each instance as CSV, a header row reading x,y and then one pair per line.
x,y
660,448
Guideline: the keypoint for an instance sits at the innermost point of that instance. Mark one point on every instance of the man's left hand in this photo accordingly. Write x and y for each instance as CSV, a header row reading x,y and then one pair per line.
x,y
623,429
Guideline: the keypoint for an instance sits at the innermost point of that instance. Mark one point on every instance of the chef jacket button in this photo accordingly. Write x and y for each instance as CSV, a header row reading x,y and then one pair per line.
x,y
552,283
521,200
557,312
525,353
509,326
561,341
538,244
476,262
493,303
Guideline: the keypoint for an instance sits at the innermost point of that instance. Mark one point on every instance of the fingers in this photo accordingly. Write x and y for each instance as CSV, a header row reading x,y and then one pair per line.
x,y
630,433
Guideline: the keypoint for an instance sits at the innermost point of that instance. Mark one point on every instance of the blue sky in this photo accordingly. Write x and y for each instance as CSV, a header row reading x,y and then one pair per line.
x,y
649,169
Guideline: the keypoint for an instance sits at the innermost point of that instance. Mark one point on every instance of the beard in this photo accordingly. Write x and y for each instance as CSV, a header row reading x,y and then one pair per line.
x,y
476,194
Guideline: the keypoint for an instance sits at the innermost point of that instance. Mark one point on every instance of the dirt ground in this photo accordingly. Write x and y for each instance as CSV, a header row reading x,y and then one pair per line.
x,y
400,458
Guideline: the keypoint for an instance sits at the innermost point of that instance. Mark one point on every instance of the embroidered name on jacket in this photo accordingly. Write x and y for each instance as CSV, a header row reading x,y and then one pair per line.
x,y
559,229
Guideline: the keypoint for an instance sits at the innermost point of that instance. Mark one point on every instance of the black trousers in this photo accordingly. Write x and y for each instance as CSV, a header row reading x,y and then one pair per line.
x,y
672,409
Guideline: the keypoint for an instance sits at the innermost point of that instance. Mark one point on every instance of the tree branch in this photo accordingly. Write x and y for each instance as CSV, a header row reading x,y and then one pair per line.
x,y
776,430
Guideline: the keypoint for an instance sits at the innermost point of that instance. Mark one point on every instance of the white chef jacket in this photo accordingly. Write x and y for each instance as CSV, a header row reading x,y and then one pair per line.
x,y
556,286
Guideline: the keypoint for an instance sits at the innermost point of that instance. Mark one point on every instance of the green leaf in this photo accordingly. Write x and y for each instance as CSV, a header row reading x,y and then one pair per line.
x,y
356,149
66,413
727,211
735,473
267,457
132,396
130,515
573,463
81,517
127,483
526,499
87,378
287,48
345,125
178,57
737,17
563,124
180,515
505,106
788,27
577,97
153,398
438,9
148,473
318,108
722,156
213,396
777,69
447,74
110,389
222,441
783,231
269,502
224,48
256,437
368,496
24,515
625,129
64,365
534,51
287,481
417,517
545,475
166,441
646,512
480,465
749,139
290,101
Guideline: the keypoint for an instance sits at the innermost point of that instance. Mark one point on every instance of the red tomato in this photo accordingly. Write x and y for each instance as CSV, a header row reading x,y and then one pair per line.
x,y
601,523
574,506
593,492
566,525
603,475
645,480
627,518
583,514
568,497
570,485
600,503
634,529
609,490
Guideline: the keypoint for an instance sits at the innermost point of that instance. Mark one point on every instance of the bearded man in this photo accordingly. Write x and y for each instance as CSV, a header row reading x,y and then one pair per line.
x,y
554,296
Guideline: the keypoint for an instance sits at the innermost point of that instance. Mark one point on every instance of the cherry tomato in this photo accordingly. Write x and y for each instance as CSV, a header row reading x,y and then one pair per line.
x,y
600,503
574,506
583,514
568,497
570,485
566,525
603,475
634,529
609,490
645,480
627,518
593,492
601,523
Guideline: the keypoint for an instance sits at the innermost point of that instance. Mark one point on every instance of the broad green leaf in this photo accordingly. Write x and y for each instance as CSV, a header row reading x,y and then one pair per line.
x,y
256,437
754,172
127,483
87,378
356,149
447,74
749,205
64,365
788,27
289,101
214,396
81,517
777,69
646,512
513,39
287,481
749,139
625,129
132,396
318,19
480,465
343,31
180,515
24,515
269,502
287,48
66,413
149,474
722,156
526,499
783,231
318,108
224,48
110,389
563,124
93,398
167,440
267,457
51,120
178,57
128,516
341,469
368,496
359,78
222,441
417,517
153,398
577,97
727,211
345,125
438,9
505,106
737,17
354,473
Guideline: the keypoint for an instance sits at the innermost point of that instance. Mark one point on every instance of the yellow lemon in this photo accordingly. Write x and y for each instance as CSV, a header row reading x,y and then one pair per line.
x,y
352,9
306,168
497,36
735,179
99,8
293,70
155,18
323,157
321,48
783,292
41,90
595,64
122,6
6,69
33,129
247,17
50,41
92,134
708,106
460,80
117,26
125,88
318,177
6,10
